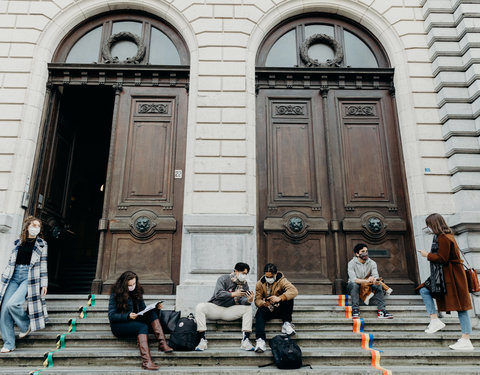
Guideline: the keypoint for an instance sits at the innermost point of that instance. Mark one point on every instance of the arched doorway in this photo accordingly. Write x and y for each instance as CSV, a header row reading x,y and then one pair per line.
x,y
329,163
109,177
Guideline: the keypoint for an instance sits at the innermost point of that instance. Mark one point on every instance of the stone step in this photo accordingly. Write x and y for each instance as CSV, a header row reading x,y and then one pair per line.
x,y
245,370
231,340
227,357
57,324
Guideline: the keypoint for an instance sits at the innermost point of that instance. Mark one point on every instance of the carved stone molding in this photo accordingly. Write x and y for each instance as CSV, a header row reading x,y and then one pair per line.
x,y
153,108
321,39
360,110
122,36
284,110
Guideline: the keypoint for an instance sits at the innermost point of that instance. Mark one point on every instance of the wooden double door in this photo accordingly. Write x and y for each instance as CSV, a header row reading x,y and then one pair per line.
x,y
330,175
111,182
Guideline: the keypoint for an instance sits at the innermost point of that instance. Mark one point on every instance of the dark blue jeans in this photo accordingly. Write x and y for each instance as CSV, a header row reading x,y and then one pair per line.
x,y
132,328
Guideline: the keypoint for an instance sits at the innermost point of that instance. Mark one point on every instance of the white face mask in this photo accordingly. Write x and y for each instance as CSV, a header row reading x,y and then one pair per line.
x,y
269,280
241,277
131,288
33,231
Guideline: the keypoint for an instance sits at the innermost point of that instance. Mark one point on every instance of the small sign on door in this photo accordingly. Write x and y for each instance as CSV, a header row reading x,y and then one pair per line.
x,y
178,174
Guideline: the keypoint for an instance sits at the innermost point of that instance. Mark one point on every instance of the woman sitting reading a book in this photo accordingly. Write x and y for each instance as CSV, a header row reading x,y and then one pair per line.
x,y
129,317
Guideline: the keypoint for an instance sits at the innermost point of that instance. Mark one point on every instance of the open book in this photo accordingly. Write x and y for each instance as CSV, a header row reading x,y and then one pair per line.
x,y
149,307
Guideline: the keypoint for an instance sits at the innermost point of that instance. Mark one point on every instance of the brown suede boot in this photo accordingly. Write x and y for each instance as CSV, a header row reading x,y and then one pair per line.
x,y
160,336
147,363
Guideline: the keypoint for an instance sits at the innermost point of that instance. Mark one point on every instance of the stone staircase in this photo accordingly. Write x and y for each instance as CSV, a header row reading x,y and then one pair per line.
x,y
324,334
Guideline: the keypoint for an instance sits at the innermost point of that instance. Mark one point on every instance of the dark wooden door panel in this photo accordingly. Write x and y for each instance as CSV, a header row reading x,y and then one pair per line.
x,y
300,230
146,200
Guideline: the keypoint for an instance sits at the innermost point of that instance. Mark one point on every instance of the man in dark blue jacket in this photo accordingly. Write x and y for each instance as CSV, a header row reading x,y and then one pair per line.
x,y
231,300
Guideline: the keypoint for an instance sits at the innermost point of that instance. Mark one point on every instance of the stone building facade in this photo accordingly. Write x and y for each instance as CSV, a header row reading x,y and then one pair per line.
x,y
432,45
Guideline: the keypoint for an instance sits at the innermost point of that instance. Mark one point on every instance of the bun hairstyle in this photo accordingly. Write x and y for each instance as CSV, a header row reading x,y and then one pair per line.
x,y
437,224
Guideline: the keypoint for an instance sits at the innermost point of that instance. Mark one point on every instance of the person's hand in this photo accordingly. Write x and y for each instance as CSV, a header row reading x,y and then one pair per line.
x,y
377,282
266,303
238,293
132,315
44,291
423,253
250,296
370,280
274,299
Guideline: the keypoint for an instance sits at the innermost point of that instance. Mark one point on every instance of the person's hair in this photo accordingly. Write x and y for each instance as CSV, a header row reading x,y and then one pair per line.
x,y
358,247
437,224
270,267
26,224
120,290
240,267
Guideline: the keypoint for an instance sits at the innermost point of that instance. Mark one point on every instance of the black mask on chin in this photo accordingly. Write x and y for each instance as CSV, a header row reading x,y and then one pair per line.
x,y
363,256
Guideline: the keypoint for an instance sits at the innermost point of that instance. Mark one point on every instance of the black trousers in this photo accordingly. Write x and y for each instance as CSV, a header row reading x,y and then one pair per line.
x,y
130,329
284,312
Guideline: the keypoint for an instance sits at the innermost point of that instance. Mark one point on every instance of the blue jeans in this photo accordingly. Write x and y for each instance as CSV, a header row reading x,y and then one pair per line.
x,y
465,323
12,311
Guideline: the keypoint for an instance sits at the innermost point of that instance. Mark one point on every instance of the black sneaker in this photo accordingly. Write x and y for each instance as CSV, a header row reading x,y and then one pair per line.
x,y
384,314
355,313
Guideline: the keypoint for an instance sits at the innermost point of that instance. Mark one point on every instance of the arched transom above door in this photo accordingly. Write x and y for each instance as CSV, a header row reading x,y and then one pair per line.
x,y
321,41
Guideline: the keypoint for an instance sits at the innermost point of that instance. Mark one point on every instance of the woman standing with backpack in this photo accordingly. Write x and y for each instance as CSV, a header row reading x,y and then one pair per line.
x,y
126,300
445,251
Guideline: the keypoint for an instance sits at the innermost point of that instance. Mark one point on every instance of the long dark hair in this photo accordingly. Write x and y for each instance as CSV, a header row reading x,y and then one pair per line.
x,y
437,224
120,290
26,224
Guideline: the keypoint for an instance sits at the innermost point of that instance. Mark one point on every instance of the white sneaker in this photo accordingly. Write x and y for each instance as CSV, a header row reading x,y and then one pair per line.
x,y
261,346
462,344
202,345
435,325
389,291
6,350
21,335
287,328
247,345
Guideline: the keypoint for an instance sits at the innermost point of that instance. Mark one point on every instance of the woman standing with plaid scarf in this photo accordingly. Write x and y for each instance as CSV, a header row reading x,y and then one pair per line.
x,y
25,276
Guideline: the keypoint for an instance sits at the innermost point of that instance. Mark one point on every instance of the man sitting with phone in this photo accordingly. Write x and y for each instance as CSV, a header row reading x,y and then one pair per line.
x,y
231,300
363,271
274,296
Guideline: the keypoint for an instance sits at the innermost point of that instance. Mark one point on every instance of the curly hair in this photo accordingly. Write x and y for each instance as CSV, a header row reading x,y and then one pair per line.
x,y
120,290
26,224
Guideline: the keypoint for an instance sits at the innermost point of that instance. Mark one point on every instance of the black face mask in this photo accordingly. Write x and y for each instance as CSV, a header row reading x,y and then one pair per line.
x,y
363,256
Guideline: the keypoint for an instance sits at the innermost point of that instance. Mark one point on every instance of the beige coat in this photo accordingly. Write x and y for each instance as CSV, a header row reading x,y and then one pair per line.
x,y
281,287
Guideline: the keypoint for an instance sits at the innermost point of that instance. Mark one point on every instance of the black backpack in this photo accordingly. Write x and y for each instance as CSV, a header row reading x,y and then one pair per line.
x,y
286,353
184,337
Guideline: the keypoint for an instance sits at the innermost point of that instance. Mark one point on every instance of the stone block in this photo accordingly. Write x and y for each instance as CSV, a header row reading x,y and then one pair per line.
x,y
233,131
206,83
210,53
470,10
12,96
10,112
198,11
425,100
458,126
206,182
7,21
181,5
238,25
414,41
207,24
208,131
48,9
429,132
382,6
450,78
219,165
222,39
208,114
466,181
223,11
418,55
419,69
250,12
32,21
427,115
409,27
4,51
437,184
393,15
222,99
5,180
233,148
8,128
7,145
234,115
432,148
219,203
234,54
233,182
234,84
207,148
462,145
18,7
449,110
440,202
435,166
21,50
464,161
